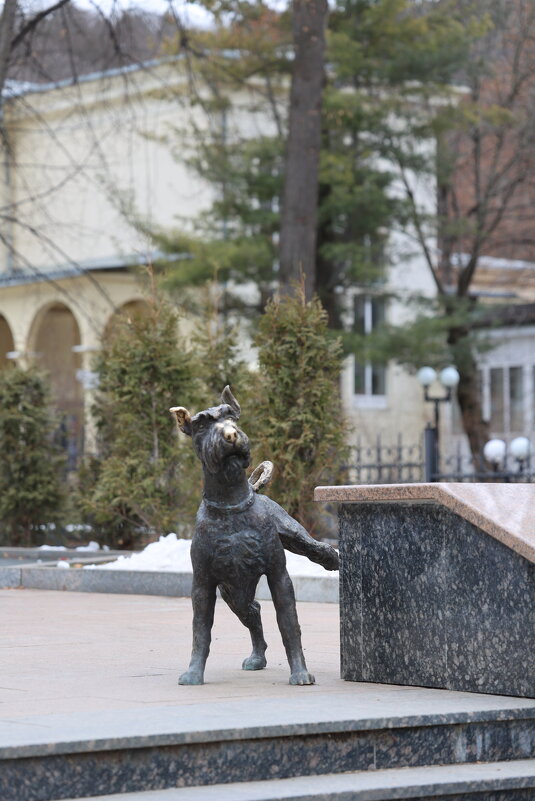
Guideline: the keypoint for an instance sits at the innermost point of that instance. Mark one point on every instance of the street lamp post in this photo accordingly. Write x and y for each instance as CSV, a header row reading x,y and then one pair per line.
x,y
449,378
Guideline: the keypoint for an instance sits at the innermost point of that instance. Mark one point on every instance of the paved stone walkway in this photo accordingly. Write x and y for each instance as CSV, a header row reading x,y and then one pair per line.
x,y
63,652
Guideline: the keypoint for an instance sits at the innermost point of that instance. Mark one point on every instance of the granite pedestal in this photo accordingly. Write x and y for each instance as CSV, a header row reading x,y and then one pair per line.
x,y
437,585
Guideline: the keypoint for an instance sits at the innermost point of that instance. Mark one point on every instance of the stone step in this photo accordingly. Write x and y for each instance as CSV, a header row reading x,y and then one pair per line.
x,y
494,781
151,748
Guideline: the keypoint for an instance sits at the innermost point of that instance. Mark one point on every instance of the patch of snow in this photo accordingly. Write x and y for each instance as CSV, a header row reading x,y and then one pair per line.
x,y
62,563
171,554
77,527
167,554
93,546
301,566
52,548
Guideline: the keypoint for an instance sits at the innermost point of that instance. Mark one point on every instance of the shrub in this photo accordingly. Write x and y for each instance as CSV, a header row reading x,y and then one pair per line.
x,y
139,486
31,465
299,421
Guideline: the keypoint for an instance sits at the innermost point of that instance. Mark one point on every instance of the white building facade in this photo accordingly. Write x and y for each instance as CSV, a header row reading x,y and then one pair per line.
x,y
86,160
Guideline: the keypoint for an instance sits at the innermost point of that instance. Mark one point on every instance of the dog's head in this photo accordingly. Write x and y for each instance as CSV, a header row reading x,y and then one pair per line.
x,y
217,440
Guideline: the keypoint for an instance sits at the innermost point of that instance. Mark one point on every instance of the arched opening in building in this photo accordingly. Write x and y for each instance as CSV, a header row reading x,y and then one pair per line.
x,y
54,334
7,344
133,308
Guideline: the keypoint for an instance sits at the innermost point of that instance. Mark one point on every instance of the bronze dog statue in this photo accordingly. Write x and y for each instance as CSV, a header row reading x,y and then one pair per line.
x,y
240,536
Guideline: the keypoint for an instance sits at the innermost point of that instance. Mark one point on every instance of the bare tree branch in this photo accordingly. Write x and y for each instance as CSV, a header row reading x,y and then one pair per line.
x,y
32,23
7,25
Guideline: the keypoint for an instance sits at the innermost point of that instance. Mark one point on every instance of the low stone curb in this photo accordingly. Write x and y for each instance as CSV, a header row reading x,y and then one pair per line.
x,y
138,582
307,588
127,582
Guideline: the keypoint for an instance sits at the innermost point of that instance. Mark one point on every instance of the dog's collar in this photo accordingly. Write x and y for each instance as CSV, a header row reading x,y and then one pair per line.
x,y
236,507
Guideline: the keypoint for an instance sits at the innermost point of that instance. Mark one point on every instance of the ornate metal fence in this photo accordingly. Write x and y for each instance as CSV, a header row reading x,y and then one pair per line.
x,y
462,467
404,463
385,464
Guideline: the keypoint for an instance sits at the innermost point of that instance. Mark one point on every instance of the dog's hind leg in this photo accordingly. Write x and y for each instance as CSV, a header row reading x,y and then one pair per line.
x,y
283,595
203,597
247,610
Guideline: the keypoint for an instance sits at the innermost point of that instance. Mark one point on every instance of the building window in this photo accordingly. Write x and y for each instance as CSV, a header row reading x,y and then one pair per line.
x,y
507,386
516,399
369,313
497,405
504,399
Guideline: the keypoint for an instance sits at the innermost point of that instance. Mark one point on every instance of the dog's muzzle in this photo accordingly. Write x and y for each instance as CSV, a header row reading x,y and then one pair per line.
x,y
230,433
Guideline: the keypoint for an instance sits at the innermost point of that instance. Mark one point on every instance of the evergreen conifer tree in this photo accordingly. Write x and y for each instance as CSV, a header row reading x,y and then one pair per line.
x,y
215,345
141,484
387,59
31,465
299,427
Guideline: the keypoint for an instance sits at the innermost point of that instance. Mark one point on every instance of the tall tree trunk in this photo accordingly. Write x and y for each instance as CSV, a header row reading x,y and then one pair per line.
x,y
327,276
300,193
475,427
9,40
7,25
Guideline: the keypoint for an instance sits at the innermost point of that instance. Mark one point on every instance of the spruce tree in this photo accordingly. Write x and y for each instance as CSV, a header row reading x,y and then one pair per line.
x,y
300,427
215,345
140,484
31,465
388,59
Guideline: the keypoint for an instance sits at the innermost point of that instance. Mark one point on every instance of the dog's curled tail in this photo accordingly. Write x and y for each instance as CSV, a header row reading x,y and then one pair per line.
x,y
261,476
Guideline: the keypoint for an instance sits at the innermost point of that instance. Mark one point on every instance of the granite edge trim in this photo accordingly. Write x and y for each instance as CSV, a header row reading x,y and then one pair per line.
x,y
400,783
279,730
433,781
58,553
425,493
10,577
124,582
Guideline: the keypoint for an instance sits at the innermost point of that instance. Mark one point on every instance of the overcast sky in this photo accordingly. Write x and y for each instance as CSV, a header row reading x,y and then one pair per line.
x,y
189,12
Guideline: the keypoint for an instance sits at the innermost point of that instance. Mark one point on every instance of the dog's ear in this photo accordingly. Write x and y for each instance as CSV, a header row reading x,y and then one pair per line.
x,y
228,398
183,419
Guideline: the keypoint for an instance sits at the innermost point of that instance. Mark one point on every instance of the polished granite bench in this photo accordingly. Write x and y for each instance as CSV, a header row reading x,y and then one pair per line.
x,y
437,585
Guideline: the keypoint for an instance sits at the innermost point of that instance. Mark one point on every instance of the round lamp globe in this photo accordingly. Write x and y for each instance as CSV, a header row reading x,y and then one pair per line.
x,y
449,377
520,448
426,376
494,451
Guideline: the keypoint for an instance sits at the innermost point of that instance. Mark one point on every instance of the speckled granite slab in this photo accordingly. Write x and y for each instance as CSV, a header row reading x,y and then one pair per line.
x,y
371,708
437,585
500,781
364,727
505,511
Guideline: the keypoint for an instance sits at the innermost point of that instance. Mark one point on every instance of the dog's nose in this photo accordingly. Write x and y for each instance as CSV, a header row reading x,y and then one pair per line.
x,y
230,433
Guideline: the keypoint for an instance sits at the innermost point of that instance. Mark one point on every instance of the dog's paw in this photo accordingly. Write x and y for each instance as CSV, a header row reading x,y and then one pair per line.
x,y
191,677
302,677
254,662
329,558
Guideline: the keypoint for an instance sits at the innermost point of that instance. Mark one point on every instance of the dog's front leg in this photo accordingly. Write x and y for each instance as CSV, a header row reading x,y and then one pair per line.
x,y
283,595
203,598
